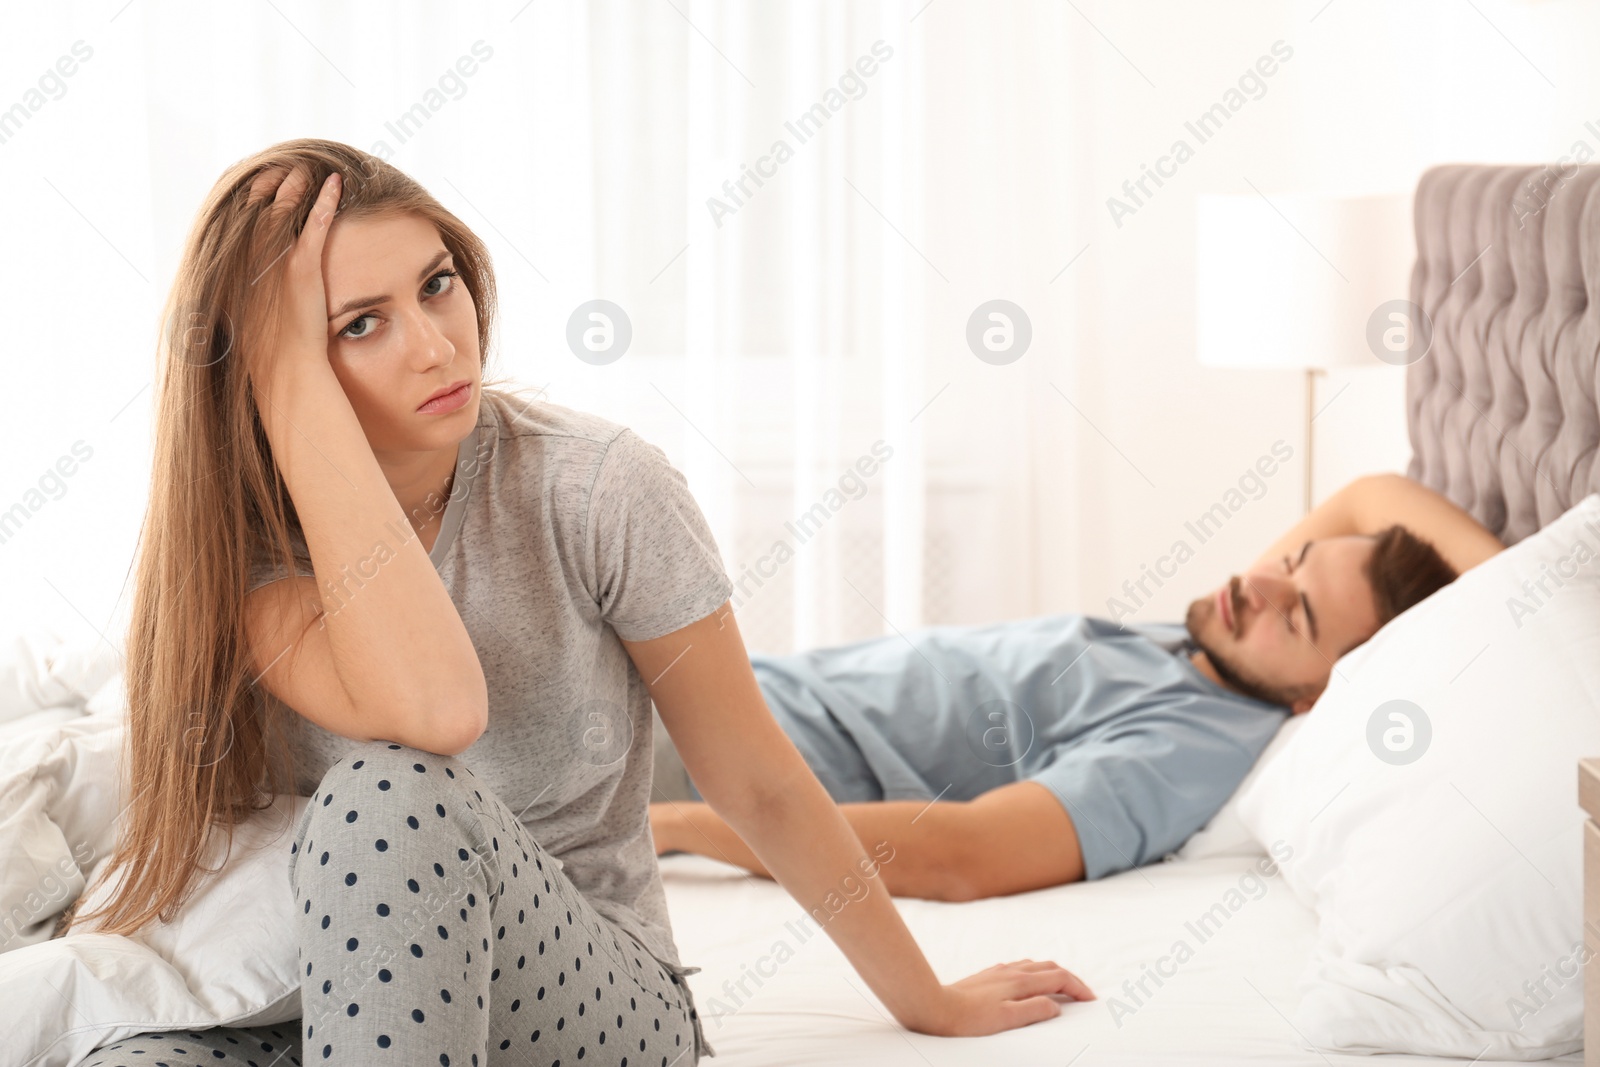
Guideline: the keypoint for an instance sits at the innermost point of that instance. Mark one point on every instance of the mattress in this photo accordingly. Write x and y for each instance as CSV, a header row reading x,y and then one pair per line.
x,y
1174,986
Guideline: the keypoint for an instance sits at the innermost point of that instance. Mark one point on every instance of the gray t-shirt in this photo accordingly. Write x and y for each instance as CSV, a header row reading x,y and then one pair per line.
x,y
562,533
1139,746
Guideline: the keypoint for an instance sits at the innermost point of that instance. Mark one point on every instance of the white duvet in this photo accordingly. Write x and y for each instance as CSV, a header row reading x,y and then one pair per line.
x,y
62,717
59,729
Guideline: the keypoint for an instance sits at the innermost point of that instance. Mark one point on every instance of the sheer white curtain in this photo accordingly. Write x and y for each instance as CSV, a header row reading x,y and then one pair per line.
x,y
863,471
799,314
785,320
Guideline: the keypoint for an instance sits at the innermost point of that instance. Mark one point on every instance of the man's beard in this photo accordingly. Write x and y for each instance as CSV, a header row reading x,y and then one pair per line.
x,y
1235,674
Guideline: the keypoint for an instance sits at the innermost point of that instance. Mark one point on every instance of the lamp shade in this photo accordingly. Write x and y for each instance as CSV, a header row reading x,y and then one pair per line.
x,y
1292,282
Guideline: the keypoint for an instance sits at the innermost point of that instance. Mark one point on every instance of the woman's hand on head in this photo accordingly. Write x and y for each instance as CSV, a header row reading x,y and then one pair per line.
x,y
303,315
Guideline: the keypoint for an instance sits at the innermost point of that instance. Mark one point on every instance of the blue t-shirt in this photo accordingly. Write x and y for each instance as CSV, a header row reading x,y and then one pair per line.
x,y
1139,746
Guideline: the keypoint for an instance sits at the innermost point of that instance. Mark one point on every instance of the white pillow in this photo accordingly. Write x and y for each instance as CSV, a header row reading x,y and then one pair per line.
x,y
222,961
1444,884
1225,834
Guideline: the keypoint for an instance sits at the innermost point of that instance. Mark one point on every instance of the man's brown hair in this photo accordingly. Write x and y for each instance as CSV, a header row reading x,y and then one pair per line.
x,y
1404,570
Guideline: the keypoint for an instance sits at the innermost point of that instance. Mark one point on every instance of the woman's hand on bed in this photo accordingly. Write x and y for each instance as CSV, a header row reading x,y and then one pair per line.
x,y
1004,997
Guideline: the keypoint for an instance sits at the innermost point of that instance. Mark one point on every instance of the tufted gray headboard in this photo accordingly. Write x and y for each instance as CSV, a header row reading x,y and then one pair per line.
x,y
1501,409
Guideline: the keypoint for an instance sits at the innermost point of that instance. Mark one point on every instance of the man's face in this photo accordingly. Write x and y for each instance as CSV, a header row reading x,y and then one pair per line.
x,y
1275,631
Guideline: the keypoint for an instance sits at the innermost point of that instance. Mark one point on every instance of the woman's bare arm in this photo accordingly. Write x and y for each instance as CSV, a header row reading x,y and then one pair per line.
x,y
753,777
398,647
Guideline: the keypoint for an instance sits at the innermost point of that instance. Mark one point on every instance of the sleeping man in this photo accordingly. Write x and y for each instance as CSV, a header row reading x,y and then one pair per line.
x,y
1001,758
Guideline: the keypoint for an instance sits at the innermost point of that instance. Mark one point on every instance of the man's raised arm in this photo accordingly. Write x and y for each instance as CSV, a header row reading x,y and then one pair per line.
x,y
1374,502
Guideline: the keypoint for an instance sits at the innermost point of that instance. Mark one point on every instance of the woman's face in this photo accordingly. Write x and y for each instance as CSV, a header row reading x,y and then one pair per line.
x,y
401,328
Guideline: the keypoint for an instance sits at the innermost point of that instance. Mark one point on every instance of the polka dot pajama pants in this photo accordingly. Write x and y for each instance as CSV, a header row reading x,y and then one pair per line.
x,y
434,930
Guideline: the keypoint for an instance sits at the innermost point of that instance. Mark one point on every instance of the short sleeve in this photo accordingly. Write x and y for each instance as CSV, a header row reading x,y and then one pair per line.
x,y
263,571
1141,793
655,566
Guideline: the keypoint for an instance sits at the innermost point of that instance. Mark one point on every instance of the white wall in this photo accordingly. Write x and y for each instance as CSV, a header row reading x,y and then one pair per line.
x,y
1035,112
1374,93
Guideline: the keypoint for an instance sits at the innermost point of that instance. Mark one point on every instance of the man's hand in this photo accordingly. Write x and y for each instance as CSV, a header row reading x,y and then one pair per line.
x,y
665,824
694,826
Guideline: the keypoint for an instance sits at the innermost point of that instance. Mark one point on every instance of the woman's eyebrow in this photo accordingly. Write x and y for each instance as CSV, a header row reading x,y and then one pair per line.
x,y
368,301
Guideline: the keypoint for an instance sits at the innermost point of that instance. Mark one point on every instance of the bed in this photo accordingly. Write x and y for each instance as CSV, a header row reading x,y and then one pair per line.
x,y
1501,410
1228,1004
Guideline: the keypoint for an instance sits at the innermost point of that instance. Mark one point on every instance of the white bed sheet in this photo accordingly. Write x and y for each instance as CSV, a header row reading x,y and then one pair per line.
x,y
1229,1003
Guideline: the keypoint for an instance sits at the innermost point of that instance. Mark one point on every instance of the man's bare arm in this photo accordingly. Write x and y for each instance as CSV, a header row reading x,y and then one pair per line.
x,y
1013,839
921,836
1375,501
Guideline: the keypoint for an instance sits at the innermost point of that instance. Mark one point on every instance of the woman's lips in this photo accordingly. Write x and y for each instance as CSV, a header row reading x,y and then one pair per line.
x,y
449,402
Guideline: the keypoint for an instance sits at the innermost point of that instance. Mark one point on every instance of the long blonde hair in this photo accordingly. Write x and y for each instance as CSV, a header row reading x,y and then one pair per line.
x,y
202,748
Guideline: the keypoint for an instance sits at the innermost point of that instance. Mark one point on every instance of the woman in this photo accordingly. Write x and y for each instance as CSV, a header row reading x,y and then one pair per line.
x,y
500,589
